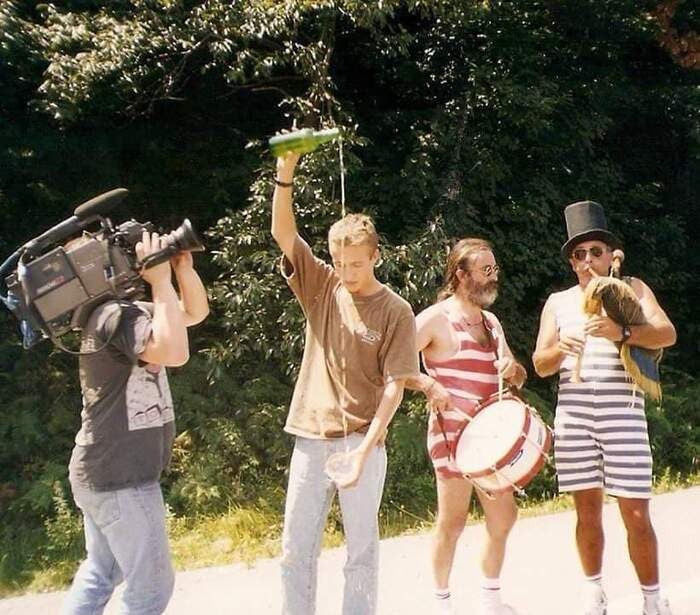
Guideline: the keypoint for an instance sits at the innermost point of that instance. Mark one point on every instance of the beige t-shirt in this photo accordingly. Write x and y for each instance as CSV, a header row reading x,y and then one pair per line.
x,y
354,346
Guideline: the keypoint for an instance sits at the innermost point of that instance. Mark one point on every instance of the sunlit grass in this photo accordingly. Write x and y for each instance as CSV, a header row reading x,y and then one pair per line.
x,y
241,534
248,534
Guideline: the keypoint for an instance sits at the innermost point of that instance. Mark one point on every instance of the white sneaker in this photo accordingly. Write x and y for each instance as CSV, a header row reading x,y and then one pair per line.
x,y
663,608
597,606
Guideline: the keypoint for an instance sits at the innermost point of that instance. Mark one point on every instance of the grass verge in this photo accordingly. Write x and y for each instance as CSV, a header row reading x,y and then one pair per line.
x,y
241,535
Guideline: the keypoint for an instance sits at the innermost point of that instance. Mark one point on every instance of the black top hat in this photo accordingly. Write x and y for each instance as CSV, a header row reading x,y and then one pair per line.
x,y
585,221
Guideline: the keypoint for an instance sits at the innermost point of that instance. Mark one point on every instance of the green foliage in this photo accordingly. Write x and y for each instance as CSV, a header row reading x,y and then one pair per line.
x,y
229,450
251,297
64,531
675,438
37,424
459,119
43,556
410,484
687,17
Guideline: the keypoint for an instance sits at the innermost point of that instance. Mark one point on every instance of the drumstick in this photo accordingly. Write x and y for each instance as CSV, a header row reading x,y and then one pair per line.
x,y
500,352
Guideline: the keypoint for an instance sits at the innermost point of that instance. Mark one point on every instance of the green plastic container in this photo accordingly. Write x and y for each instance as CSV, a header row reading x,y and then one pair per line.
x,y
301,141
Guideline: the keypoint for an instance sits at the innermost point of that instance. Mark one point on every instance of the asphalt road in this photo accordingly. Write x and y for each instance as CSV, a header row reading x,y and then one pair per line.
x,y
541,575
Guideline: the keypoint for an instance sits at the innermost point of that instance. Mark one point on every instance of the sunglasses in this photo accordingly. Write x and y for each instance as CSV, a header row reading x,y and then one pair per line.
x,y
581,253
489,270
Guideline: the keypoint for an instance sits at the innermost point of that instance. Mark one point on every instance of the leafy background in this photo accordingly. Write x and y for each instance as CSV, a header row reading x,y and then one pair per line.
x,y
482,118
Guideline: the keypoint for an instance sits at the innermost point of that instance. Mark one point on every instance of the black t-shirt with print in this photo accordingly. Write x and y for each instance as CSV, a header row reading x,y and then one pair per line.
x,y
128,422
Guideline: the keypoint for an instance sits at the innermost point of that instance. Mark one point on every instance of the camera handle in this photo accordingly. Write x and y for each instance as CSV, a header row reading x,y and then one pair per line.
x,y
156,258
182,239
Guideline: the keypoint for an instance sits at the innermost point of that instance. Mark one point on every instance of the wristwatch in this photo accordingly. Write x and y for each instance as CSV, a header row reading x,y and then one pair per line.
x,y
626,332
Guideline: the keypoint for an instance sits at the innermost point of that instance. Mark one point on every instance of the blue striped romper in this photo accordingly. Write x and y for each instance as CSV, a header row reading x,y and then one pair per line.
x,y
600,429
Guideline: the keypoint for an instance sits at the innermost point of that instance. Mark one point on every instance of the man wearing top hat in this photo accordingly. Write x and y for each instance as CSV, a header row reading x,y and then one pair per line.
x,y
601,441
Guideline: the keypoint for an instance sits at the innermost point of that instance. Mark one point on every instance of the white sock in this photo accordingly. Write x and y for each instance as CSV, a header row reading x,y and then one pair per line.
x,y
443,602
651,598
443,594
594,587
490,592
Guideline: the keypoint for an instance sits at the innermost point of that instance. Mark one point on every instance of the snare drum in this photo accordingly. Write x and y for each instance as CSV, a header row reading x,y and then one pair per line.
x,y
504,445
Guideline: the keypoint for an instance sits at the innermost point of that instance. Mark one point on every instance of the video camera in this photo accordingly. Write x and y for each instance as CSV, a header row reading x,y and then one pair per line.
x,y
54,292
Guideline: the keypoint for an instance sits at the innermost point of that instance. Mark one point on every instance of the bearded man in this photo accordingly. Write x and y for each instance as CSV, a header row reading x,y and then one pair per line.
x,y
459,342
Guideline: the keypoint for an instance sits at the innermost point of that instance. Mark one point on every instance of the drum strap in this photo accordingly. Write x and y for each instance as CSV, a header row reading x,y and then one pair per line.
x,y
490,329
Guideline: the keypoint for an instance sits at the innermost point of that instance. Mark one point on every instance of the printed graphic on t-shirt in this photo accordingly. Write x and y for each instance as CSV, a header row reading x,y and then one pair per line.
x,y
353,320
370,336
148,400
88,344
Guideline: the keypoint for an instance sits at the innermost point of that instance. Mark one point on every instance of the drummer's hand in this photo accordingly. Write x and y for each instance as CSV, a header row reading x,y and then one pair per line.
x,y
604,326
571,345
438,398
357,462
507,367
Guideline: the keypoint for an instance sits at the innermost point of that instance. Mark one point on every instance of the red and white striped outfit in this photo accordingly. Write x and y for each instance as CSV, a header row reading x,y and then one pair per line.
x,y
469,376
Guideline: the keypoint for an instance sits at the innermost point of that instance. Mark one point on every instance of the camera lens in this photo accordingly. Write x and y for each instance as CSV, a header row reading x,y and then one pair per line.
x,y
184,238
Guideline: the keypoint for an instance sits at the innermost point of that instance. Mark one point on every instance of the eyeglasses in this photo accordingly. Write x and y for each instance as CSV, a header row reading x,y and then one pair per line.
x,y
581,253
487,270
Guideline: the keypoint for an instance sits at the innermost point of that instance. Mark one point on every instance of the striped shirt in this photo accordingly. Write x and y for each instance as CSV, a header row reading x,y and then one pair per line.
x,y
469,376
600,428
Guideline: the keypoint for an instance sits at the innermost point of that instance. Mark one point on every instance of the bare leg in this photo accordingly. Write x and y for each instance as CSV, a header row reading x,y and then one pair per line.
x,y
453,506
641,539
501,514
590,540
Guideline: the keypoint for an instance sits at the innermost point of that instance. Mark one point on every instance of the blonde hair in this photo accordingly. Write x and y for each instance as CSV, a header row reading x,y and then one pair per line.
x,y
353,230
459,259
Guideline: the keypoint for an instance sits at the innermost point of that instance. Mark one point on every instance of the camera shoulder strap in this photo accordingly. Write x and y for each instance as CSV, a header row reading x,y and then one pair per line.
x,y
82,353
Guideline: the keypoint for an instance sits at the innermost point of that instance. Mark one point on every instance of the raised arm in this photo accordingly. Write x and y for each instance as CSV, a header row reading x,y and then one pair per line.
x,y
168,343
284,227
193,297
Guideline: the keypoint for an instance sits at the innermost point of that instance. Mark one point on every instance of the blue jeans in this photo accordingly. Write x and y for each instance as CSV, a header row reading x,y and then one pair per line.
x,y
309,496
126,540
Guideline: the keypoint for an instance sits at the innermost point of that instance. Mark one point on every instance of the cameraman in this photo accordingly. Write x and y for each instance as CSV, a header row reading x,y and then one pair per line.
x,y
126,437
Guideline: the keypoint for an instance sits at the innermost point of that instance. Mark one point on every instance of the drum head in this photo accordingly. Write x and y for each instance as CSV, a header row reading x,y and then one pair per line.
x,y
490,435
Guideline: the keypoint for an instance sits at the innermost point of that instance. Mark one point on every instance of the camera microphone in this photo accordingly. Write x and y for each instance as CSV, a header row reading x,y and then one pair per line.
x,y
84,215
101,204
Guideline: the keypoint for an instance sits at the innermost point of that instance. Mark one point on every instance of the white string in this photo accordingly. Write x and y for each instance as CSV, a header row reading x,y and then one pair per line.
x,y
343,364
342,176
501,352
